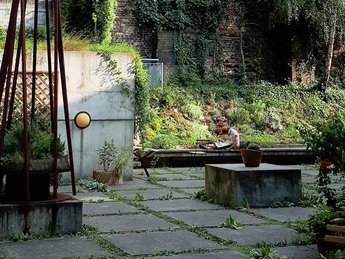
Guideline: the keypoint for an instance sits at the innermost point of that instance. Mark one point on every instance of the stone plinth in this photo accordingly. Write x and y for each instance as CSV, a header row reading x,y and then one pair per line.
x,y
60,216
234,184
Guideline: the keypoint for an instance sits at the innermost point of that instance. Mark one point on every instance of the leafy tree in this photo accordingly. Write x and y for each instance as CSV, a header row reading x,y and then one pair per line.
x,y
325,19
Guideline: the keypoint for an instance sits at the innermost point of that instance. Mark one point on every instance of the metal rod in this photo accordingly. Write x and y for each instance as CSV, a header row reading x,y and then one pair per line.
x,y
25,112
15,77
65,100
9,45
5,68
34,61
55,102
49,60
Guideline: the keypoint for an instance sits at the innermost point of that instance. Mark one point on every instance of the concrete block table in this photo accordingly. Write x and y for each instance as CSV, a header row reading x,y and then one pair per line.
x,y
234,184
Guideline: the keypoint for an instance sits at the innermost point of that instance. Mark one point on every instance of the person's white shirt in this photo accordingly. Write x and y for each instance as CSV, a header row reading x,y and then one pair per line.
x,y
234,137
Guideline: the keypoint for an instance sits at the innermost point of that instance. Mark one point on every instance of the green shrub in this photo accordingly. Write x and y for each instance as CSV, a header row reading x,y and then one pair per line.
x,y
194,111
328,141
3,33
40,142
238,116
165,141
41,33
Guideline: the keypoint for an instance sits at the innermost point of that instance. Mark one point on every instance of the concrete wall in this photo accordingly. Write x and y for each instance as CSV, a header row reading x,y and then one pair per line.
x,y
93,89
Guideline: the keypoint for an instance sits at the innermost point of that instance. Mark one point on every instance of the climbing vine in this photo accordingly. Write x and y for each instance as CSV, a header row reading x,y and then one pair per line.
x,y
196,23
141,91
91,19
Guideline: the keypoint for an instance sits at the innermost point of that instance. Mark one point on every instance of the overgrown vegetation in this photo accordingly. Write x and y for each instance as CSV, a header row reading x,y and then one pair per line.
x,y
264,113
90,19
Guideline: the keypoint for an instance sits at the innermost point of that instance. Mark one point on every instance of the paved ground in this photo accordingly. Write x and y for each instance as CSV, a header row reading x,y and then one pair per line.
x,y
161,218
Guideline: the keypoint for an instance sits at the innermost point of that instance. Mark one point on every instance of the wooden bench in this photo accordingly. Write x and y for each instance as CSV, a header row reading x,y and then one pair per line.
x,y
335,234
334,238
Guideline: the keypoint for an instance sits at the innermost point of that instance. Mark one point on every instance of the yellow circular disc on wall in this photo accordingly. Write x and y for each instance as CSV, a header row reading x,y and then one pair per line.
x,y
82,120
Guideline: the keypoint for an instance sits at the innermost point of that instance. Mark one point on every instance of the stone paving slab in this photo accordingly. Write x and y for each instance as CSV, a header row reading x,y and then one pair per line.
x,y
156,171
104,208
136,184
155,194
285,214
297,252
52,248
172,177
66,188
191,190
123,223
213,218
190,170
153,242
308,179
180,204
251,235
184,183
93,197
218,255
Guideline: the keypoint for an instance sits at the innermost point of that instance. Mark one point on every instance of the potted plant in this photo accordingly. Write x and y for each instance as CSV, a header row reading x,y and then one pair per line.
x,y
40,162
317,227
251,156
114,160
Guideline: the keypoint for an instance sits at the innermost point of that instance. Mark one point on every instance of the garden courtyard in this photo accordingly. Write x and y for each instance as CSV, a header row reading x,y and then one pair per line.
x,y
165,217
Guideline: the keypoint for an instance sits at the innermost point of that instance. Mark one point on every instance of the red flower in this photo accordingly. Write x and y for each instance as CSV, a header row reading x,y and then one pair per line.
x,y
324,166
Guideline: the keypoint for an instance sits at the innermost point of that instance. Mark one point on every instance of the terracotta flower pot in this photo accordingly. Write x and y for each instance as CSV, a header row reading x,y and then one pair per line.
x,y
251,158
108,178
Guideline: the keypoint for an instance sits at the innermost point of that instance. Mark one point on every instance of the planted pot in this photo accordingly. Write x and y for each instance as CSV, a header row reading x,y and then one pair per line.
x,y
251,158
109,178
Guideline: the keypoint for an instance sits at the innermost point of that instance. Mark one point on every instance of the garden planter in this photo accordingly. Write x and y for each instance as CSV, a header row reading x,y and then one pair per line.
x,y
251,158
108,178
39,178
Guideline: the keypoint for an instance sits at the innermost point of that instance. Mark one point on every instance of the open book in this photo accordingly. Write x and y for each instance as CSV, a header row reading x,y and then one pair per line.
x,y
224,144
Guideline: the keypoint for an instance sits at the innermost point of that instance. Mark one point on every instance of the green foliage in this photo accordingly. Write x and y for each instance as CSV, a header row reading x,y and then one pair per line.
x,y
263,250
41,33
112,158
282,203
91,19
167,196
337,254
40,142
3,33
238,116
231,223
327,142
139,197
165,141
260,110
91,184
177,15
200,195
317,222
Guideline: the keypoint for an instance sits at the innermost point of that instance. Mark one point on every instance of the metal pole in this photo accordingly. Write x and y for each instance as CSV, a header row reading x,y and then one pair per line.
x,y
34,60
65,100
49,60
25,111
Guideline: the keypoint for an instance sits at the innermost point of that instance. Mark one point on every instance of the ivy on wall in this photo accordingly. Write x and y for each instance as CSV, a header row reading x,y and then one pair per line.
x,y
93,19
141,91
196,23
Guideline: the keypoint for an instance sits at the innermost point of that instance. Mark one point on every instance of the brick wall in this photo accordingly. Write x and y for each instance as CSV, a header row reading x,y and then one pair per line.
x,y
127,30
161,45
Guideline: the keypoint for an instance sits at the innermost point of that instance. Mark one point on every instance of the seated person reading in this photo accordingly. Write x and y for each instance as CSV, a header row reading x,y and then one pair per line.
x,y
234,140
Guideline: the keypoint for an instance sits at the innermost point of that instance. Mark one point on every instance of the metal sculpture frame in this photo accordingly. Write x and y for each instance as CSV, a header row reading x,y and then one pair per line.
x,y
56,71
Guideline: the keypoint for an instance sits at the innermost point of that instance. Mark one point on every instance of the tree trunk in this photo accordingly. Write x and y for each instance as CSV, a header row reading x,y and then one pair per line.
x,y
327,71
